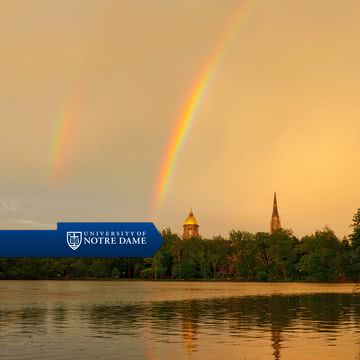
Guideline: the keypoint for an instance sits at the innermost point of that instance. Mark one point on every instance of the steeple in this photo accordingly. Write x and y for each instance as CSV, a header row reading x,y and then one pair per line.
x,y
275,218
275,208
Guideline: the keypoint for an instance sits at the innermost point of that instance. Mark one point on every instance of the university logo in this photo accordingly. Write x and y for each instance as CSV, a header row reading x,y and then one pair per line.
x,y
74,239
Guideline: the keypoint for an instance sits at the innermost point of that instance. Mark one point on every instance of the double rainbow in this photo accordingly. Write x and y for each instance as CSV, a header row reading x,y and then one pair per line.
x,y
63,134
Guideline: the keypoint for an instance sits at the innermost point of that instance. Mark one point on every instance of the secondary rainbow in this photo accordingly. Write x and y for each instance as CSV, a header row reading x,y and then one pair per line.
x,y
193,101
61,142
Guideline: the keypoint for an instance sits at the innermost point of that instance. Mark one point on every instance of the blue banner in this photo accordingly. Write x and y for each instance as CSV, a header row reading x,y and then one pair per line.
x,y
79,239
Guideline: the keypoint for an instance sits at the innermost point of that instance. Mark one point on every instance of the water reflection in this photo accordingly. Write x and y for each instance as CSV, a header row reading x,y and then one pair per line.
x,y
32,320
324,312
59,318
228,320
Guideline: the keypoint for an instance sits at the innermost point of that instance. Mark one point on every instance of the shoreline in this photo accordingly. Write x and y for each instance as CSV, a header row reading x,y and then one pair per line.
x,y
191,280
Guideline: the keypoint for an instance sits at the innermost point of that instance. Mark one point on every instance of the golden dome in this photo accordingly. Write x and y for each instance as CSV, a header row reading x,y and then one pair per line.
x,y
191,219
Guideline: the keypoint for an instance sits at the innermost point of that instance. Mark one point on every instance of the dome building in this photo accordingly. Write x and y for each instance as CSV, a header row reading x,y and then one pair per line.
x,y
191,226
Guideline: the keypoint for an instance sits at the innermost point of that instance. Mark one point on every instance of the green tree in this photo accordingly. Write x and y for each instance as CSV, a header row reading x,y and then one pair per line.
x,y
159,264
172,246
355,236
244,252
283,255
115,273
147,273
98,269
216,254
187,270
320,254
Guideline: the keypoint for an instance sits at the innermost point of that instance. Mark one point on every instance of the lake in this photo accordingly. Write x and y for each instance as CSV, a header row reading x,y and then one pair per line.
x,y
178,320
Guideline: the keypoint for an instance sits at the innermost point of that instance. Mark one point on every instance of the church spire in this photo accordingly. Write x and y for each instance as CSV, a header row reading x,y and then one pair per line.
x,y
275,218
275,208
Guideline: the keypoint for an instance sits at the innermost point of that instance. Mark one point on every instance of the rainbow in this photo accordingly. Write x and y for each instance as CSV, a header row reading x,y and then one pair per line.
x,y
61,140
193,101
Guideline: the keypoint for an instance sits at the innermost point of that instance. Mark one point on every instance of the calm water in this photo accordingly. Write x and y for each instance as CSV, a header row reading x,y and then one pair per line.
x,y
151,320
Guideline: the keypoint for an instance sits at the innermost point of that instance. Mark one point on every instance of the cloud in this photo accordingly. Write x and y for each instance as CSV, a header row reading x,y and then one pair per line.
x,y
7,205
34,223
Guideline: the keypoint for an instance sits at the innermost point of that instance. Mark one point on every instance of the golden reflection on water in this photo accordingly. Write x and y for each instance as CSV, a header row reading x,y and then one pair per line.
x,y
152,320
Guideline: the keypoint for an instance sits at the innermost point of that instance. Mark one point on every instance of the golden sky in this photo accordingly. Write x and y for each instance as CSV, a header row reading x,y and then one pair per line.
x,y
281,114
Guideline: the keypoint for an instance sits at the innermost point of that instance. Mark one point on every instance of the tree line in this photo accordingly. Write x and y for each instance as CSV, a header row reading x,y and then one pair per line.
x,y
241,255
